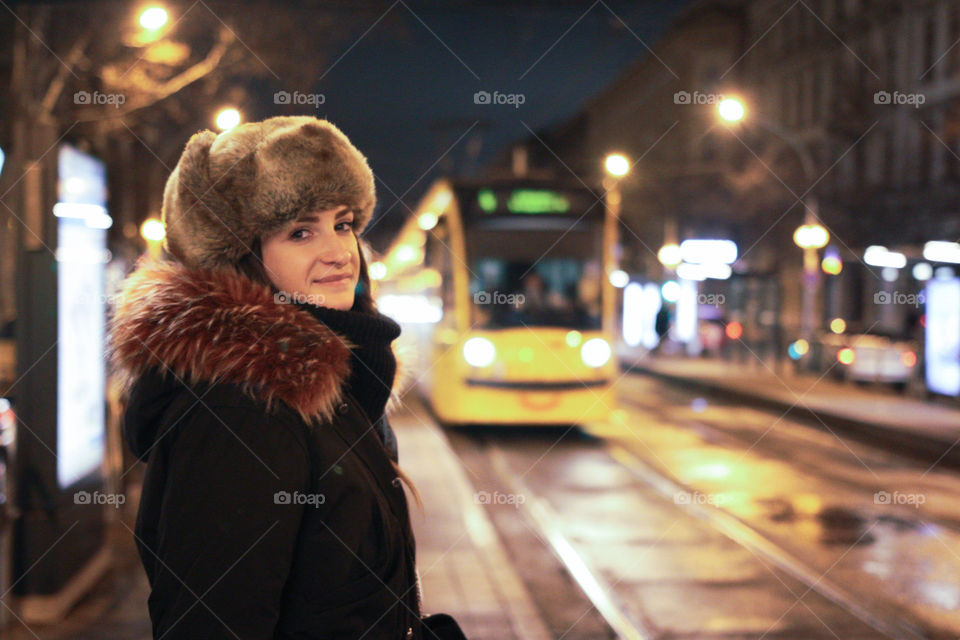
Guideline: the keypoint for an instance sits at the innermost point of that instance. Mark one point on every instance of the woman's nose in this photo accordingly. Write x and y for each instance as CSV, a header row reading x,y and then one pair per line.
x,y
333,252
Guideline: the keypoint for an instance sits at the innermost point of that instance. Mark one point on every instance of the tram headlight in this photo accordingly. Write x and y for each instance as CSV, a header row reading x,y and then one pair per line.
x,y
595,352
479,352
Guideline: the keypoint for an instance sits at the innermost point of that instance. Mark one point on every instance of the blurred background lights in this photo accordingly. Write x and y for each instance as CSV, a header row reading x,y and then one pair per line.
x,y
878,256
619,278
689,271
669,255
378,270
701,251
943,273
940,251
734,330
831,264
406,253
798,349
838,325
922,271
846,356
670,291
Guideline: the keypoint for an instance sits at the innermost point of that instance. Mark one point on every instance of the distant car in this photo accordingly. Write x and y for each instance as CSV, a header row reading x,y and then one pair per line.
x,y
870,357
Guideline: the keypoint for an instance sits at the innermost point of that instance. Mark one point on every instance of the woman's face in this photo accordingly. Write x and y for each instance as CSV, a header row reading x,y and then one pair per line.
x,y
316,258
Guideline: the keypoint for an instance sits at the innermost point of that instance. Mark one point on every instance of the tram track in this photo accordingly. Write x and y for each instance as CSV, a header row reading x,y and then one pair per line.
x,y
717,433
614,608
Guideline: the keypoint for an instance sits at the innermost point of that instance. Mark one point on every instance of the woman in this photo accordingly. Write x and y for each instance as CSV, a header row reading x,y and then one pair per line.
x,y
258,369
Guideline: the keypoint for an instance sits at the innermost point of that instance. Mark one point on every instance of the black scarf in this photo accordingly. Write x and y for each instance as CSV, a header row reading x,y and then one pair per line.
x,y
372,363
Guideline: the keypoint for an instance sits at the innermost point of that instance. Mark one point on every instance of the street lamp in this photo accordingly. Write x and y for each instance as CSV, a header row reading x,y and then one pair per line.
x,y
669,255
811,235
153,18
153,231
616,166
227,118
152,21
731,109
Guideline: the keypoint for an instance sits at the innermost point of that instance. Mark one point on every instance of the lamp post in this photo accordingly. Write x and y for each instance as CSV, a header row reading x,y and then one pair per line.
x,y
811,235
616,166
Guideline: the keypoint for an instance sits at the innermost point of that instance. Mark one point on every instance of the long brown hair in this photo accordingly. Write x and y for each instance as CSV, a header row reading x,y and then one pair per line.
x,y
252,266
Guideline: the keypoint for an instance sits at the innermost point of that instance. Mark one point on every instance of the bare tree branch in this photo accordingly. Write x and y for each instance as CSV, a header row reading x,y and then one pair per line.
x,y
148,91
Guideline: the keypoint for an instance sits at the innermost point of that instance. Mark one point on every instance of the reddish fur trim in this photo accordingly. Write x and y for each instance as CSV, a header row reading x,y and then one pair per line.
x,y
219,326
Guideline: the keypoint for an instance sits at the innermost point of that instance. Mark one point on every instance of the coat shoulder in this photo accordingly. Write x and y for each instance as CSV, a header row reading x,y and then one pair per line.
x,y
225,405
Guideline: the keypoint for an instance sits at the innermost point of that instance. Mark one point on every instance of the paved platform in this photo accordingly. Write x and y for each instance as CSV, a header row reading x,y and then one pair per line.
x,y
927,429
464,569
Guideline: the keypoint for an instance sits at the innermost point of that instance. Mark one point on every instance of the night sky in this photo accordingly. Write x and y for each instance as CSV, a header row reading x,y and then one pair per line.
x,y
404,91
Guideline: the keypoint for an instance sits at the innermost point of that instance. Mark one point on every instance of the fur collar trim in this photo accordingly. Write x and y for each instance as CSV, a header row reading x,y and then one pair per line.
x,y
220,326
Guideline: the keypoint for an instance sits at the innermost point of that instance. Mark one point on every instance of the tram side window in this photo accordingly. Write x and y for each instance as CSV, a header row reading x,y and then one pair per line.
x,y
437,256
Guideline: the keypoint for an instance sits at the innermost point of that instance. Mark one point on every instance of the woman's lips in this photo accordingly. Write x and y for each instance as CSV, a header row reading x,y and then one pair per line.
x,y
341,279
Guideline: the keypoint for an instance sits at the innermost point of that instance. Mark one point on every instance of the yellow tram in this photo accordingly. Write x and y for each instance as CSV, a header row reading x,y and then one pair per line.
x,y
503,292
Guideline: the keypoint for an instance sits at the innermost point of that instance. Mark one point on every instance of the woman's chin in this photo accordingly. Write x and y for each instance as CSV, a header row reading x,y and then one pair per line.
x,y
342,299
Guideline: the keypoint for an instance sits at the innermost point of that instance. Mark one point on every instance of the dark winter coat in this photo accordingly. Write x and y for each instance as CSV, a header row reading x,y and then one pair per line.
x,y
269,507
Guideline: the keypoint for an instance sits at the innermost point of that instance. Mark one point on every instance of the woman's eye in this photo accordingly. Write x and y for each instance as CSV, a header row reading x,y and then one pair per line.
x,y
346,225
294,234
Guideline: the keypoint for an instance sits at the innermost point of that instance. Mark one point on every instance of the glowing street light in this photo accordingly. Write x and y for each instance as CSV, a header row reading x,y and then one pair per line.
x,y
670,255
153,18
617,165
731,109
152,230
811,236
227,118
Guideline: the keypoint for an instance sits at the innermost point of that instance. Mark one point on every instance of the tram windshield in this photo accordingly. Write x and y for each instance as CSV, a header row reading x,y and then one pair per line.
x,y
535,277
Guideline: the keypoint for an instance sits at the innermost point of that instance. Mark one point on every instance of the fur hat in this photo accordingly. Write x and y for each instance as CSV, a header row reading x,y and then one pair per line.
x,y
229,189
